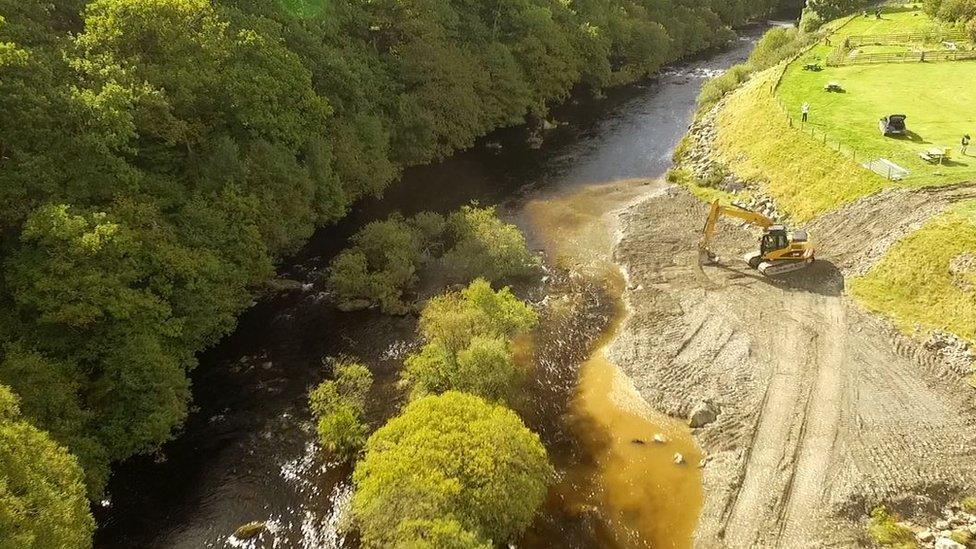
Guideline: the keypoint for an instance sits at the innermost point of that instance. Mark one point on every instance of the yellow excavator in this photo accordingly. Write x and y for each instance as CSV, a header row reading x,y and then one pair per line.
x,y
780,250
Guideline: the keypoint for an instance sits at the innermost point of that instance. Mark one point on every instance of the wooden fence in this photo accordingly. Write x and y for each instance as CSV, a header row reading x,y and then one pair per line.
x,y
898,39
901,57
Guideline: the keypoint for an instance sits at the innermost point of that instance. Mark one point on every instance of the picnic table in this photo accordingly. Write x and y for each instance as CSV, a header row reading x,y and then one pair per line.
x,y
935,155
813,67
833,87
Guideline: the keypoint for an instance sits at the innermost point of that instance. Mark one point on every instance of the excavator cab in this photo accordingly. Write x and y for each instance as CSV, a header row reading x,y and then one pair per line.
x,y
780,250
774,239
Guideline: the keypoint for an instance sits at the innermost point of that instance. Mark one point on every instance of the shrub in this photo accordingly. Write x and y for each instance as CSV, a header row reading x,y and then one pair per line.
x,y
485,368
716,88
450,465
810,20
969,504
385,257
437,534
338,406
469,346
455,318
485,246
884,529
341,431
380,266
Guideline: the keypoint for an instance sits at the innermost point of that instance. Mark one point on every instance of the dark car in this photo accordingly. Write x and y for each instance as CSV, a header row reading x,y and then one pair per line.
x,y
893,125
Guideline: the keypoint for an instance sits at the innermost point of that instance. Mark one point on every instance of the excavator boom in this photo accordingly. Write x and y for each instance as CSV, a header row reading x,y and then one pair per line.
x,y
718,210
780,251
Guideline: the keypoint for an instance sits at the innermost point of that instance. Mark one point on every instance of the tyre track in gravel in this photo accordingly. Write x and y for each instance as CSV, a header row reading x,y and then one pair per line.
x,y
824,411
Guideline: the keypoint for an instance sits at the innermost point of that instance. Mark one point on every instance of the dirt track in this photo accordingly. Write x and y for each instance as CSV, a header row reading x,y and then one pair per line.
x,y
825,411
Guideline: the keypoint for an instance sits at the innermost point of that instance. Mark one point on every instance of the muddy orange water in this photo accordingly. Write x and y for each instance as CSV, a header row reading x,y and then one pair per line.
x,y
632,482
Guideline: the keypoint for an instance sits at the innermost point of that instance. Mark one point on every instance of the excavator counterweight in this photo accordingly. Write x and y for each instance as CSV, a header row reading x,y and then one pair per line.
x,y
780,250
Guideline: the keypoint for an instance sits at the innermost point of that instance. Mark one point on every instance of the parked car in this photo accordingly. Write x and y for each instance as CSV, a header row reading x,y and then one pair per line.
x,y
893,125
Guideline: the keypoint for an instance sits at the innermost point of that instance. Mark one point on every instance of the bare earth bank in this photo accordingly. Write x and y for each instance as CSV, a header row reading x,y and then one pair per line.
x,y
824,410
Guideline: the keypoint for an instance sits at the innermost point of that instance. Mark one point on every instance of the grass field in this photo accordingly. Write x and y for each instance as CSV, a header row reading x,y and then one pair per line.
x,y
912,283
899,22
805,178
935,96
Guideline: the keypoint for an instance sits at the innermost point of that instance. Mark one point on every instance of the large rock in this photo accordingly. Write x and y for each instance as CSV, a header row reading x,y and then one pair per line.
x,y
703,414
946,543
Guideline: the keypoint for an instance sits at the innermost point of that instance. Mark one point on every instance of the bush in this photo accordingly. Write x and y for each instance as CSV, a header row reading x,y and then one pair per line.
x,y
380,266
450,465
810,20
884,530
969,504
716,88
338,407
386,256
437,534
485,246
469,345
458,317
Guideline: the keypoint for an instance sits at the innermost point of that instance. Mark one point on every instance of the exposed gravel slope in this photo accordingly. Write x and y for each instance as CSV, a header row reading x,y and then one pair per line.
x,y
825,411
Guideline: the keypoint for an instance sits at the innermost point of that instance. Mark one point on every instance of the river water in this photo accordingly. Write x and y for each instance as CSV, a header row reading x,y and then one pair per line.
x,y
247,451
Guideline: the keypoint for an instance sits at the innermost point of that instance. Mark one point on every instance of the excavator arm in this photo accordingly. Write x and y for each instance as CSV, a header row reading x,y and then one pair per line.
x,y
718,211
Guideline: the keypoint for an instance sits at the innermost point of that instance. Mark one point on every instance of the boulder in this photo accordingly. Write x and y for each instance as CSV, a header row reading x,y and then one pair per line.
x,y
946,543
280,285
702,415
679,459
250,530
660,438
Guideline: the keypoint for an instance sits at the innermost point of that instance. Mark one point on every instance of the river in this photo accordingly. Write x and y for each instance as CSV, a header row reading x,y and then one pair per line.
x,y
247,451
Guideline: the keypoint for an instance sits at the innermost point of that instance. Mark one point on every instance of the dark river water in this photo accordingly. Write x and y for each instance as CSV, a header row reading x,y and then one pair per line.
x,y
247,451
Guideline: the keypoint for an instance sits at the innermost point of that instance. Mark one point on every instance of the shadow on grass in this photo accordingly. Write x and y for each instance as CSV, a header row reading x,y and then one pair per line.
x,y
910,136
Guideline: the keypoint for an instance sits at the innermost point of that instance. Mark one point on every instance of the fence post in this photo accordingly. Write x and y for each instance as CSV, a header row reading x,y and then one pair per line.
x,y
889,172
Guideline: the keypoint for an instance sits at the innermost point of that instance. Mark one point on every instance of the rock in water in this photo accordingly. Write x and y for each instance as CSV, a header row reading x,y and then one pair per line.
x,y
250,530
660,438
702,415
679,459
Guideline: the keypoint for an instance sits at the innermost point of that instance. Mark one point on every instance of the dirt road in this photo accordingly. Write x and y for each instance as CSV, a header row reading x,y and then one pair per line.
x,y
824,410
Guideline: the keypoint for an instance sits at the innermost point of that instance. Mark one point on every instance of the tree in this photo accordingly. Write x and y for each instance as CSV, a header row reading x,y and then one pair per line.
x,y
456,318
338,407
42,494
832,9
453,458
469,343
485,246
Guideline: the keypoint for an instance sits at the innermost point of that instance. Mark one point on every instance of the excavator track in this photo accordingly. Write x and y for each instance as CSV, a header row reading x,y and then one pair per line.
x,y
775,268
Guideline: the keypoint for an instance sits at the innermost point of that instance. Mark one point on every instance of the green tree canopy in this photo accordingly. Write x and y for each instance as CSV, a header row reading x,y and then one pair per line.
x,y
42,493
453,458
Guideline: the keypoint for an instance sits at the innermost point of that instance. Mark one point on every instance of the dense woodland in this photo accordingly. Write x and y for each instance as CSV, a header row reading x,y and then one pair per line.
x,y
157,157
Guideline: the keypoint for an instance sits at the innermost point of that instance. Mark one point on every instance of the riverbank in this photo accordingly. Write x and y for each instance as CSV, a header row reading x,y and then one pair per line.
x,y
247,451
824,410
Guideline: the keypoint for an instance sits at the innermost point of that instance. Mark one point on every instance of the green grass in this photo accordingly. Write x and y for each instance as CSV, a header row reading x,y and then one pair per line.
x,y
905,22
806,178
886,532
912,283
883,49
933,96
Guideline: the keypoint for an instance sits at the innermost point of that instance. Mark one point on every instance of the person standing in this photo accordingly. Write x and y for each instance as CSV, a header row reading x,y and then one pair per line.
x,y
965,143
805,111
